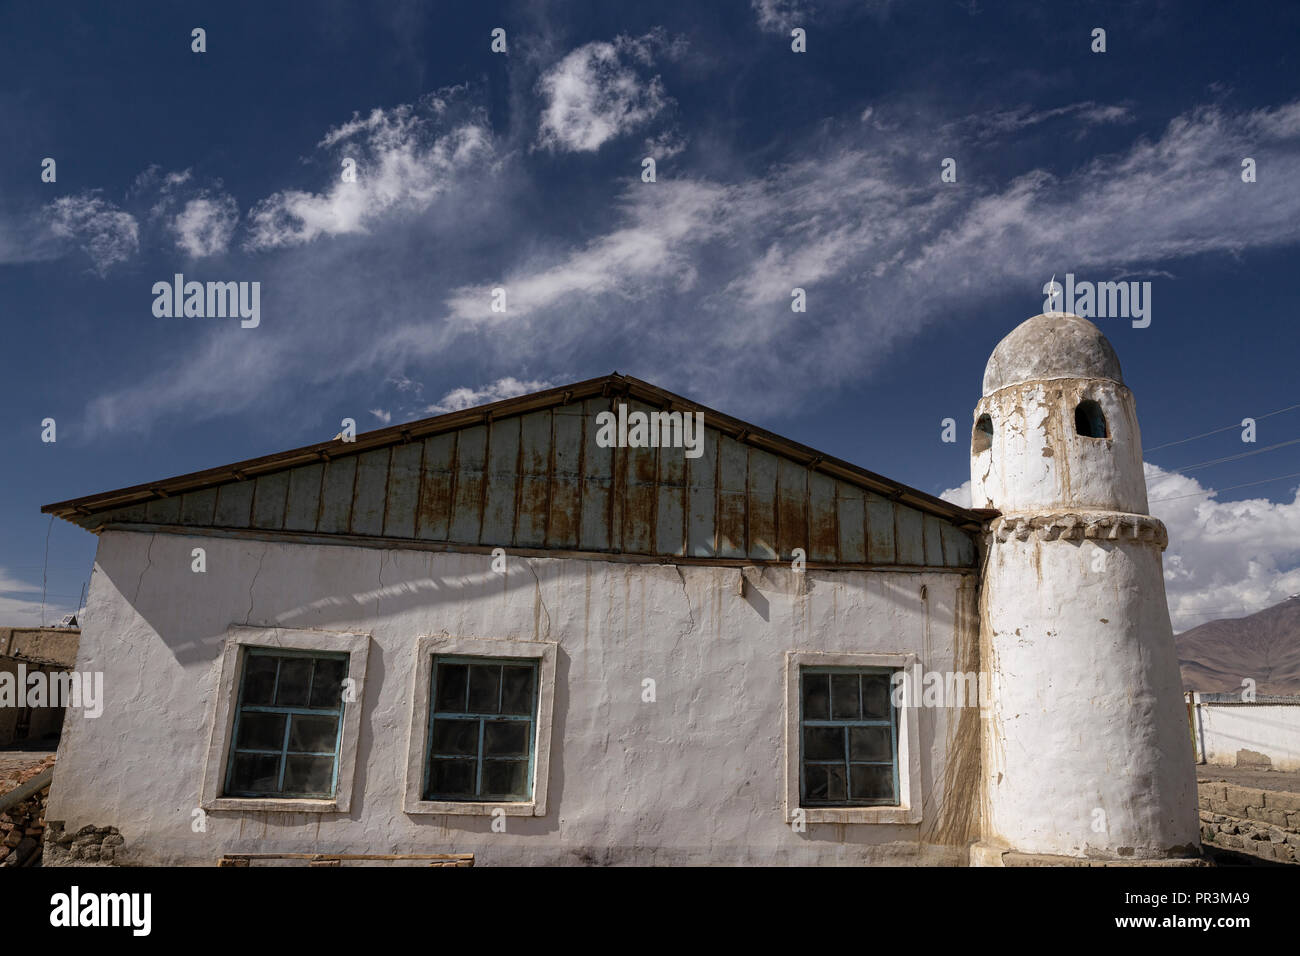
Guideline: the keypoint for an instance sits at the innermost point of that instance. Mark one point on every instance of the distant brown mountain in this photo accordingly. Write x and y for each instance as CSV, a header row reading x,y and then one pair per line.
x,y
1265,646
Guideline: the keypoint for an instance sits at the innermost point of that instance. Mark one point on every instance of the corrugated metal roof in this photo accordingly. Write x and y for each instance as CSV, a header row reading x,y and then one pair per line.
x,y
527,473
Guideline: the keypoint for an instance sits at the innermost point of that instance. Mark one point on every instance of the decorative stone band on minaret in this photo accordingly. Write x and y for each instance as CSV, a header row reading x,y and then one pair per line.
x,y
1078,525
1086,752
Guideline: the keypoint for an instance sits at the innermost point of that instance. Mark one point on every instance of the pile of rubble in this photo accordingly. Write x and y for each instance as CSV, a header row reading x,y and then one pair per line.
x,y
23,824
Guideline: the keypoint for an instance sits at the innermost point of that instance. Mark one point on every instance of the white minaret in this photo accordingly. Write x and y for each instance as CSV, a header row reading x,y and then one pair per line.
x,y
1086,747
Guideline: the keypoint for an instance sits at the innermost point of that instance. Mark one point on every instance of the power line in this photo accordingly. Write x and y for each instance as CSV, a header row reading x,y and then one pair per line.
x,y
1247,454
1215,491
1181,441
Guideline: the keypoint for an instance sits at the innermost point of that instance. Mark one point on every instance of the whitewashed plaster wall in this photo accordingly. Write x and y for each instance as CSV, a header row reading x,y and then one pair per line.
x,y
695,777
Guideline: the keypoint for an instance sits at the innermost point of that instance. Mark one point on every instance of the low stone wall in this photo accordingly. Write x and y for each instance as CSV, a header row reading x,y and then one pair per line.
x,y
89,845
1263,823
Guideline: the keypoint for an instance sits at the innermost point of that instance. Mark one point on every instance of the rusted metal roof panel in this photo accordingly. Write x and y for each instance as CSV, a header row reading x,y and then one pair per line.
x,y
530,474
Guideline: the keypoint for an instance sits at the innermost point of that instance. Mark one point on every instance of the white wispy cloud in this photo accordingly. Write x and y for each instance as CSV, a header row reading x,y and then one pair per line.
x,y
694,273
105,232
204,226
599,91
404,157
466,397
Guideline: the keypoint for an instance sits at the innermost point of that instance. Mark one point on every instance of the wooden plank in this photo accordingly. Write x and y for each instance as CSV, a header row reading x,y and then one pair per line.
x,y
534,479
822,543
702,497
564,519
910,535
436,479
733,497
467,504
851,515
595,532
403,490
933,540
371,486
791,508
199,507
234,505
336,495
502,482
958,549
762,504
304,497
880,530
269,493
163,511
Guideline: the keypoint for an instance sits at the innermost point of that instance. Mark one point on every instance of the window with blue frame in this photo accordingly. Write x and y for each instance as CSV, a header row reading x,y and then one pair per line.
x,y
288,724
482,725
849,738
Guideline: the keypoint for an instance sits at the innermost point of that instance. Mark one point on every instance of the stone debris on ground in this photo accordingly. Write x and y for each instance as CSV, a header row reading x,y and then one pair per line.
x,y
22,826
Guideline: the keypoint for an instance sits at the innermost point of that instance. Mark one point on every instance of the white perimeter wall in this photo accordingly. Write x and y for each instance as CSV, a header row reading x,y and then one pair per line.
x,y
694,777
1270,729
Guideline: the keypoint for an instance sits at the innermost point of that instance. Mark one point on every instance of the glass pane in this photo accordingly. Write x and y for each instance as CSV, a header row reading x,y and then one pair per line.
x,y
835,787
259,679
505,738
254,773
823,743
814,781
816,697
451,683
260,731
327,685
517,692
484,688
313,733
875,696
451,778
455,737
844,697
507,778
309,775
295,675
872,782
869,743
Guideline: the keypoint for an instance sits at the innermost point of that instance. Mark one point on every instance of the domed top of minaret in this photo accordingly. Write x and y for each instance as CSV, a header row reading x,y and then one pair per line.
x,y
1052,345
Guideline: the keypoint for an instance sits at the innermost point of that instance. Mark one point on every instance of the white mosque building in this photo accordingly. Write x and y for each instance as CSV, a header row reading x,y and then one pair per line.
x,y
491,633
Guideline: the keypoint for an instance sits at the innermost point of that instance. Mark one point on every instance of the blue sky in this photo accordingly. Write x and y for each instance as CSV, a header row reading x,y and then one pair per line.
x,y
775,169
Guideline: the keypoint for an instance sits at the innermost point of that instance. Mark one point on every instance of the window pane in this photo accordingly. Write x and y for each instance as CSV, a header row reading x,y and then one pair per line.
x,y
259,679
506,738
875,696
872,782
254,773
506,778
455,737
260,731
313,733
451,684
869,743
844,697
816,696
327,685
451,778
823,743
484,688
309,775
517,694
814,781
295,676
835,786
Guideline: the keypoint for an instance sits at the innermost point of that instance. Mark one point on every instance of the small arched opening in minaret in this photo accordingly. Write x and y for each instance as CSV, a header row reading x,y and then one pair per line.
x,y
1089,420
982,439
